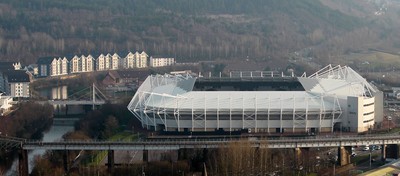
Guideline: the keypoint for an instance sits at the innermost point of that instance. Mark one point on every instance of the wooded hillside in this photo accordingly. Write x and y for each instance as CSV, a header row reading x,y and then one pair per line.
x,y
192,30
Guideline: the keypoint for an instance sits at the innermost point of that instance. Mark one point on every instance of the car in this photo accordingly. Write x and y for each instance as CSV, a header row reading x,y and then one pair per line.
x,y
353,154
366,148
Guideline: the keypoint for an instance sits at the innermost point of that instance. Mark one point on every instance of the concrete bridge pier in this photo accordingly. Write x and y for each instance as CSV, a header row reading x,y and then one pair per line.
x,y
110,162
182,154
65,160
383,153
300,155
66,110
145,156
23,162
297,157
392,151
205,155
344,154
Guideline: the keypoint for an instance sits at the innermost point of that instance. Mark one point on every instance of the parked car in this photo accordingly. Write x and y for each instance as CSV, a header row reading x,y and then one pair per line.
x,y
366,148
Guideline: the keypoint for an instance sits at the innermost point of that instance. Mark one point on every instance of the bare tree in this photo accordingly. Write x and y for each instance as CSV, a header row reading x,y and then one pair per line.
x,y
239,158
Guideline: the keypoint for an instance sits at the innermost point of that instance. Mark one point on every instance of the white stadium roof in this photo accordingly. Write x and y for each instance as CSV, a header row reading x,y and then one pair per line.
x,y
337,81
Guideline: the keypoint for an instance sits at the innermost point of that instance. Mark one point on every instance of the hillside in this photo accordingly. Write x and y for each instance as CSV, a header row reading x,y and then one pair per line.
x,y
193,30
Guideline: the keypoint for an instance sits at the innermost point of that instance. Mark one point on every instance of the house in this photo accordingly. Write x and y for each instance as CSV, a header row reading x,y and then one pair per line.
x,y
107,62
161,62
135,60
141,60
104,62
43,65
59,66
87,63
129,61
100,63
82,64
115,60
75,64
18,83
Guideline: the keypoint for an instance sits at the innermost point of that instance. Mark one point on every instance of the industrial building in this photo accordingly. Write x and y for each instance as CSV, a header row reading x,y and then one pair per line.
x,y
333,98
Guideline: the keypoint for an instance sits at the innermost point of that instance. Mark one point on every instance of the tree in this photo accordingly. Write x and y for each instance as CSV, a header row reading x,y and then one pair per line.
x,y
239,158
110,126
43,167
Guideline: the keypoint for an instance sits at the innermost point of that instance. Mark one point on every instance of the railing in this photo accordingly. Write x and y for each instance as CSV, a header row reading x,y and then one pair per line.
x,y
193,142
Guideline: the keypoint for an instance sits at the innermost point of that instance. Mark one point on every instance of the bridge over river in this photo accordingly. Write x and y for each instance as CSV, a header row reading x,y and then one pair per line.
x,y
390,143
193,142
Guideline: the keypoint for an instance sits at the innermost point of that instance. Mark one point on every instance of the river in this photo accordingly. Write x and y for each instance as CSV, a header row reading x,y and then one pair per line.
x,y
56,132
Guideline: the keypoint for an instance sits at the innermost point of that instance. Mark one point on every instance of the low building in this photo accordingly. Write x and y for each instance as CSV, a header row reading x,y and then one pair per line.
x,y
5,104
18,83
161,62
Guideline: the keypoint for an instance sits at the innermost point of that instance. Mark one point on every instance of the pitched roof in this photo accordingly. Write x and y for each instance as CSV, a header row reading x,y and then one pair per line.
x,y
17,76
4,66
45,60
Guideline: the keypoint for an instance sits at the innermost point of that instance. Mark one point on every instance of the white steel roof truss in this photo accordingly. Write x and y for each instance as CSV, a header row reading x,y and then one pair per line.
x,y
255,114
163,119
249,118
218,111
322,112
205,111
193,122
154,110
281,123
230,113
269,105
139,107
199,118
176,114
146,110
299,117
306,117
338,109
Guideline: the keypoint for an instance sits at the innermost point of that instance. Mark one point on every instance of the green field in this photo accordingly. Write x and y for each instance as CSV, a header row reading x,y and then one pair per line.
x,y
123,136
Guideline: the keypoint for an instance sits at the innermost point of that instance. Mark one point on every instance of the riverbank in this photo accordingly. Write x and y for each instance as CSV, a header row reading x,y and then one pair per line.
x,y
30,121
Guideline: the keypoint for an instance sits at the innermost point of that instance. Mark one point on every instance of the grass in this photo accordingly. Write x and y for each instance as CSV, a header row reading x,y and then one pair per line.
x,y
375,59
123,136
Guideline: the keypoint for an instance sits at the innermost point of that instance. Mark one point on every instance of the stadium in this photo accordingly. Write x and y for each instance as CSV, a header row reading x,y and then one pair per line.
x,y
333,98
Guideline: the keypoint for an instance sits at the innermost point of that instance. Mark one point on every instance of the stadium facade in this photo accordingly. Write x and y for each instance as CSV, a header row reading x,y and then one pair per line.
x,y
334,97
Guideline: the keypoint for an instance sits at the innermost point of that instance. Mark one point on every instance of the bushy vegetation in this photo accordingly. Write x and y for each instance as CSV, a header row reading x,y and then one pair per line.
x,y
29,121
